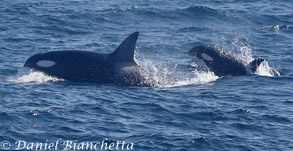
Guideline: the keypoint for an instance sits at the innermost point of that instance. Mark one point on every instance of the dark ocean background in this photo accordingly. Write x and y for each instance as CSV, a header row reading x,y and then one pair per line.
x,y
187,110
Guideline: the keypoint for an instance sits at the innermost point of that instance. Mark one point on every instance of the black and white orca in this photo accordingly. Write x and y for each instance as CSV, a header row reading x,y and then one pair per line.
x,y
117,67
223,64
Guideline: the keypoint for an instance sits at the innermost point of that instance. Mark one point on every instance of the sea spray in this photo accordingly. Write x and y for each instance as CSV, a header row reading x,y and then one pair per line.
x,y
26,75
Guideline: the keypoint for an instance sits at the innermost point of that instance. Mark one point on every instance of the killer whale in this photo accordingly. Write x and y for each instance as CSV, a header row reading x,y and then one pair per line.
x,y
222,64
117,67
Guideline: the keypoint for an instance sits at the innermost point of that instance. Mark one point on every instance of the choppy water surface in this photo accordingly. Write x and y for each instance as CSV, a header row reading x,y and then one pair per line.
x,y
187,110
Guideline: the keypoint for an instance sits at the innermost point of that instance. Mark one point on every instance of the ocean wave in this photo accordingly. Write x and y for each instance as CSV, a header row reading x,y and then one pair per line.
x,y
201,10
194,29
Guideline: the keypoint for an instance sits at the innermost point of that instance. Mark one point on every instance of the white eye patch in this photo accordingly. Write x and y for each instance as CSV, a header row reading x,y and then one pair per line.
x,y
46,63
206,57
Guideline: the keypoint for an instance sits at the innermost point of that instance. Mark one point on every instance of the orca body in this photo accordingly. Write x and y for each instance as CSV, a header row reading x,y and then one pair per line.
x,y
223,64
117,68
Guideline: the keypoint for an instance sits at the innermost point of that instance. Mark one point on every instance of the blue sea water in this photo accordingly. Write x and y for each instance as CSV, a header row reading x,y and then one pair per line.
x,y
187,110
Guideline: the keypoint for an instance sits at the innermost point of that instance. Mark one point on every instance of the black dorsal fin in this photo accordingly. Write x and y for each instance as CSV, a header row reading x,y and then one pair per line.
x,y
125,51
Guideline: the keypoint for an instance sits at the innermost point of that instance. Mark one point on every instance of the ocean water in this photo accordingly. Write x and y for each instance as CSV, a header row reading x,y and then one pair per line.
x,y
188,109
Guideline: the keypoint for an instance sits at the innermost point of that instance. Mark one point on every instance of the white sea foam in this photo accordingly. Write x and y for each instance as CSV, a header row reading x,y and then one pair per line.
x,y
163,75
264,69
25,75
199,78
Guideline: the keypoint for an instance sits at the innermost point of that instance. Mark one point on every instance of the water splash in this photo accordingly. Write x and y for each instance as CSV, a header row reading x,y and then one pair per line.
x,y
200,77
169,74
166,75
26,75
264,69
245,55
240,48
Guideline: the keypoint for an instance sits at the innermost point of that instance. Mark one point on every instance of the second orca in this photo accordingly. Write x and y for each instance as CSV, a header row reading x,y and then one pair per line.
x,y
223,64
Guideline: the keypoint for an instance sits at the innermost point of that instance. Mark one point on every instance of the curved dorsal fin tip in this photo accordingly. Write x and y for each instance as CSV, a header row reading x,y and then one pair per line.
x,y
125,51
135,33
